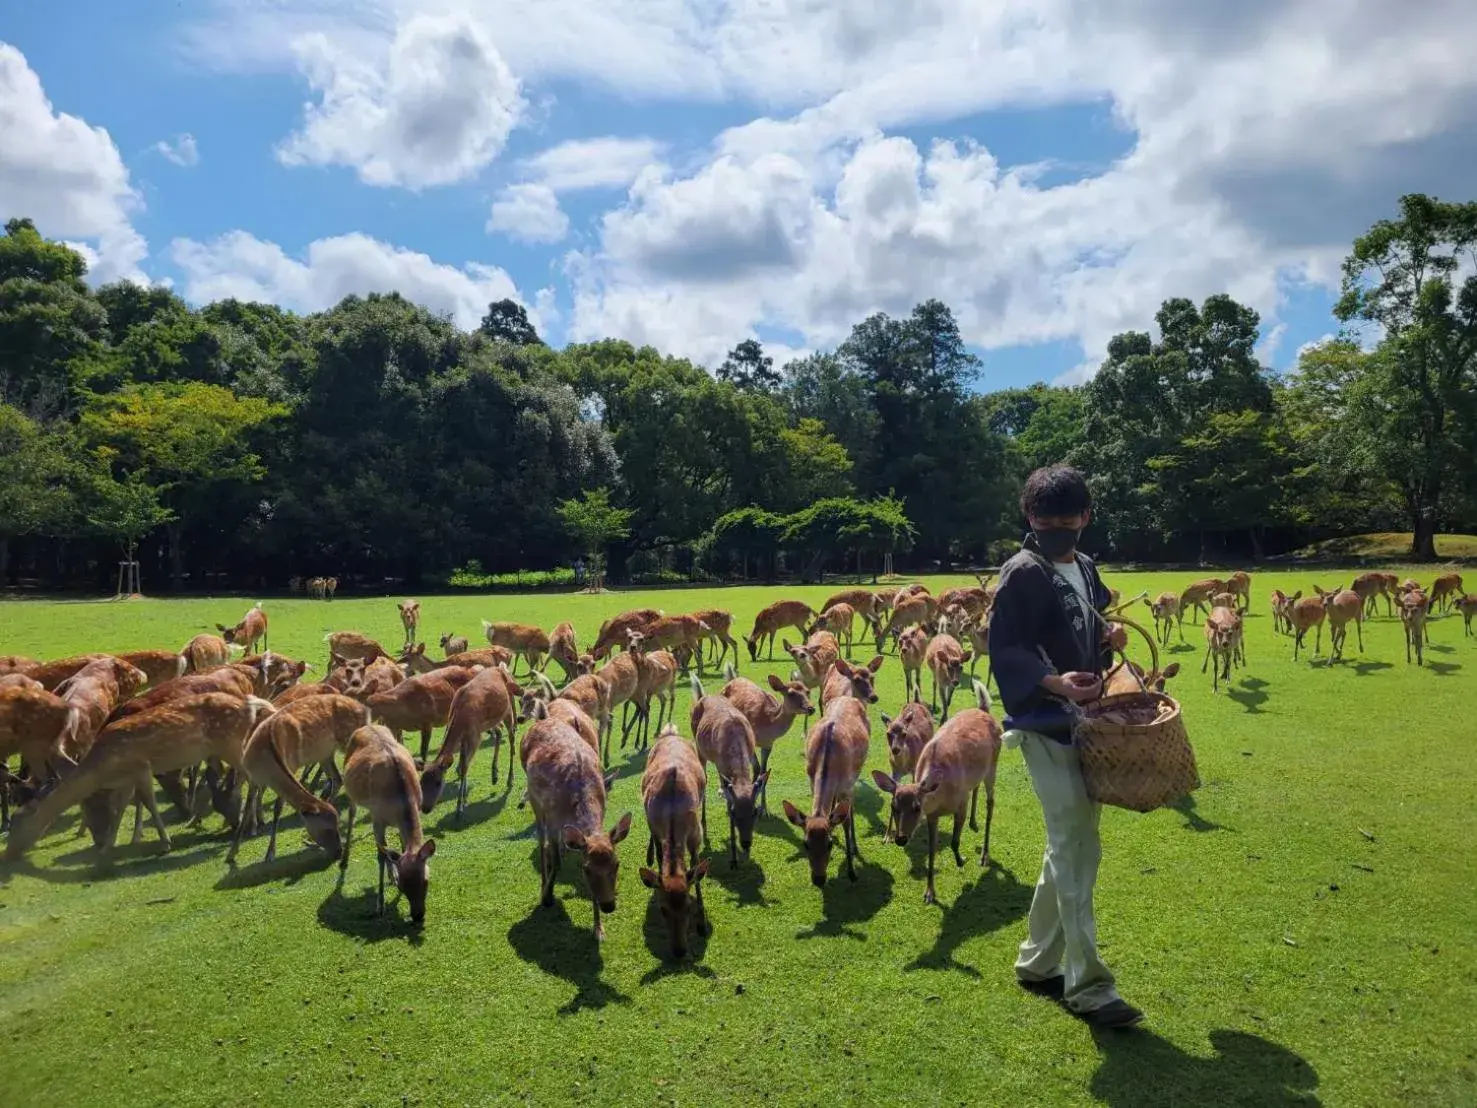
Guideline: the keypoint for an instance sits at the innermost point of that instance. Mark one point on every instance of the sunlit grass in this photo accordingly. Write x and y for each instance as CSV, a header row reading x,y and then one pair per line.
x,y
1387,546
1301,932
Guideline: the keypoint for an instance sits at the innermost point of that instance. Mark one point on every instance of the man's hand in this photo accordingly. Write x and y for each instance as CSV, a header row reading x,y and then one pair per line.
x,y
1077,687
1115,635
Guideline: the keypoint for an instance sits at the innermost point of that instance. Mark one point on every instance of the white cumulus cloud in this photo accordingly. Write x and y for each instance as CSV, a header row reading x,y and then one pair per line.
x,y
605,162
529,213
66,175
433,110
182,151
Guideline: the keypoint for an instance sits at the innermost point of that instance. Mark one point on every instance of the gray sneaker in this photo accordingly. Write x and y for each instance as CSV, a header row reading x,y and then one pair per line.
x,y
1115,1013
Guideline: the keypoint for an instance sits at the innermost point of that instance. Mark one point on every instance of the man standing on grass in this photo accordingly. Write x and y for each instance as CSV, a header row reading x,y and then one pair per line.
x,y
1049,645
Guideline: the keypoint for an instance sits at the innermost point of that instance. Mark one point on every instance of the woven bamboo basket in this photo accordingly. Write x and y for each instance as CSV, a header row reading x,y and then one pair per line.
x,y
1138,766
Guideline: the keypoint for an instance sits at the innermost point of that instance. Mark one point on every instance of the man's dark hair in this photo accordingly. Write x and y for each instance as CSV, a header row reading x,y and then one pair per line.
x,y
1056,490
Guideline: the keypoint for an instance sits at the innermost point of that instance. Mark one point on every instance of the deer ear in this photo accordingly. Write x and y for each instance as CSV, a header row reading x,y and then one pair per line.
x,y
574,838
391,856
876,663
792,814
840,813
786,644
931,786
428,848
776,684
221,627
884,782
621,829
698,872
968,654
649,878
610,780
1171,669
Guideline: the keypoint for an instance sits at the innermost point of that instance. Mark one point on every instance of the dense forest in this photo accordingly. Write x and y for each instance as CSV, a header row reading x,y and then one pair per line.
x,y
240,444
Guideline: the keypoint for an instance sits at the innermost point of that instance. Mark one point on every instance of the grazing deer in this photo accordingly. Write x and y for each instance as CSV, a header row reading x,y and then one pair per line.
x,y
568,796
622,677
564,650
522,639
158,666
94,691
863,602
814,658
238,679
251,630
34,724
1166,609
1198,595
380,776
1239,586
304,734
1446,590
420,703
1342,607
1306,614
413,659
330,587
453,644
1415,607
673,786
615,633
1467,605
204,653
1391,589
846,680
916,609
410,618
1222,632
774,619
951,768
769,716
482,706
656,677
719,626
683,635
837,620
1369,587
351,646
835,752
906,737
945,659
126,754
723,736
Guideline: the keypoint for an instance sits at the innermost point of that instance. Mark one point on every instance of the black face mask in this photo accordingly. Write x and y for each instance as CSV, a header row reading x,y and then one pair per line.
x,y
1057,542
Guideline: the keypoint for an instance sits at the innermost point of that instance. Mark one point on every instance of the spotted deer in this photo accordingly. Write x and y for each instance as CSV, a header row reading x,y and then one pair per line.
x,y
723,737
774,619
379,776
1342,607
410,618
1306,614
835,752
672,789
1166,609
251,630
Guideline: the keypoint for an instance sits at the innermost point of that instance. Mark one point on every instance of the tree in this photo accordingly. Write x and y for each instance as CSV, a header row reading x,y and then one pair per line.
x,y
507,321
35,488
595,523
815,464
125,509
1422,388
749,368
748,533
843,525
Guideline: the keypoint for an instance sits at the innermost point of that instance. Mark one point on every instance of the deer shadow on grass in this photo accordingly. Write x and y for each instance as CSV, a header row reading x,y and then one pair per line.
x,y
869,804
478,811
289,869
845,903
994,901
659,942
549,939
80,867
1141,1070
1364,669
359,918
746,883
1251,695
1443,669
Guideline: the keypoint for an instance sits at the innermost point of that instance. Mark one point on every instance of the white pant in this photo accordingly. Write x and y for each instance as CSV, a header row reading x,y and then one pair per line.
x,y
1063,935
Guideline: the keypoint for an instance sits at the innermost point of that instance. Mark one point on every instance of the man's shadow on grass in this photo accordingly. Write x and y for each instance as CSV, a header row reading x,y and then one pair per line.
x,y
994,901
549,939
1194,821
1141,1070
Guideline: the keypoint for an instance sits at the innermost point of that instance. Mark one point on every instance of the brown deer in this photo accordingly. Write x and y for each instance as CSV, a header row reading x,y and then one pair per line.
x,y
774,619
413,659
1415,607
94,691
525,640
482,706
974,599
945,659
568,795
18,663
846,680
51,674
1446,590
906,737
814,658
673,786
835,752
838,620
379,775
1222,631
589,692
1166,609
959,759
158,666
1306,614
917,609
251,630
769,716
622,677
723,736
1342,607
1129,677
1197,596
1369,587
656,678
303,734
565,650
979,642
204,653
19,681
34,724
410,618
1281,612
420,703
912,648
1239,586
1467,605
453,644
352,646
364,680
278,671
683,635
238,679
862,601
330,587
719,624
615,633
121,763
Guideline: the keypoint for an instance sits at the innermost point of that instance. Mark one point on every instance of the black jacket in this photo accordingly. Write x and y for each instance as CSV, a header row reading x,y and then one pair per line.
x,y
1037,626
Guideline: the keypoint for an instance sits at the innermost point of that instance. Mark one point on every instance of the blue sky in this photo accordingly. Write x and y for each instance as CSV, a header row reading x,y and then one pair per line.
x,y
776,171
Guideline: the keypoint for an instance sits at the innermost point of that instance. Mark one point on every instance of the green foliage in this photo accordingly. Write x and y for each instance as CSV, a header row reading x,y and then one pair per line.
x,y
470,576
841,525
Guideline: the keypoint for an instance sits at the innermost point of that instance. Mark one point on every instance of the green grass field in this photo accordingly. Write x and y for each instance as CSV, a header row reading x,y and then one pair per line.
x,y
1385,546
1303,931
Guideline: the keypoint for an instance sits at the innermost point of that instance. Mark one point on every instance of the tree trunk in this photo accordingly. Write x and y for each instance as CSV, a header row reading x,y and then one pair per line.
x,y
4,561
1423,538
1256,544
175,531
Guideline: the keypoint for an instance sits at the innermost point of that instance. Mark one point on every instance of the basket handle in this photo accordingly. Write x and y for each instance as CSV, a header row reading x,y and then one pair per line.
x,y
1153,652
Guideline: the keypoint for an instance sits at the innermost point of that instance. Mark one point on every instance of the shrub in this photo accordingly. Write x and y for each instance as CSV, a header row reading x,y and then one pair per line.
x,y
470,576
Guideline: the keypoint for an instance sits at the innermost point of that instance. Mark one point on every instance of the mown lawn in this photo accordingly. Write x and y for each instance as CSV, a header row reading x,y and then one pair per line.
x,y
1305,931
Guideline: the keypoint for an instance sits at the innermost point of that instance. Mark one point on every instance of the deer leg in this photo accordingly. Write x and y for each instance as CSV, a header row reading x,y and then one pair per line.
x,y
989,818
929,896
851,850
599,926
425,742
497,742
380,899
147,793
343,862
732,841
704,815
512,756
272,842
138,820
957,836
974,803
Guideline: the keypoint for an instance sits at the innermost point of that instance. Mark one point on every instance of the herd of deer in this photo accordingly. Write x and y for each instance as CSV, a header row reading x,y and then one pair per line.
x,y
216,724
